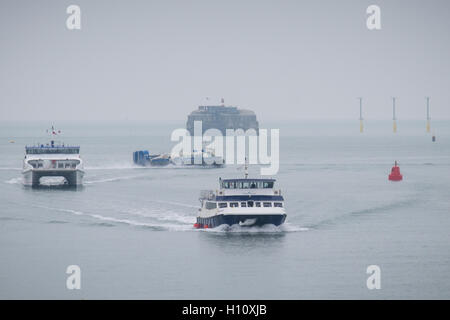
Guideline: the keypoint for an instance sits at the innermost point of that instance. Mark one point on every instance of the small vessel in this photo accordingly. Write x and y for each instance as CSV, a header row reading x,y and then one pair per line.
x,y
395,173
52,160
144,158
245,202
202,158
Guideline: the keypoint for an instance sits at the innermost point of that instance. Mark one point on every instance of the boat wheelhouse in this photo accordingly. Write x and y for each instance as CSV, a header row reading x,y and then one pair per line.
x,y
246,202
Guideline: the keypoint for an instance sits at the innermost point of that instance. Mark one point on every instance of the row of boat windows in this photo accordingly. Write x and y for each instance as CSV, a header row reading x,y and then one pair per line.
x,y
52,150
212,205
247,184
54,164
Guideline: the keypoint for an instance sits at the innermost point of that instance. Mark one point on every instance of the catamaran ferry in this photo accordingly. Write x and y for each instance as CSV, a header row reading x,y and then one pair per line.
x,y
52,160
246,202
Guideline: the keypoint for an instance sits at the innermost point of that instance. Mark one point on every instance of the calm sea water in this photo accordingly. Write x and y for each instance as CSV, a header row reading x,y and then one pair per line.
x,y
130,228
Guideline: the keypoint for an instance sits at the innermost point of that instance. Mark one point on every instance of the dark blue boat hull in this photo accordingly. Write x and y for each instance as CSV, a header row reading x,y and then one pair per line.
x,y
143,158
242,220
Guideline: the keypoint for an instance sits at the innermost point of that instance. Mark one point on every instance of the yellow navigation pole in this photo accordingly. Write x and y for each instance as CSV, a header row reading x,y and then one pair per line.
x,y
394,125
361,127
428,114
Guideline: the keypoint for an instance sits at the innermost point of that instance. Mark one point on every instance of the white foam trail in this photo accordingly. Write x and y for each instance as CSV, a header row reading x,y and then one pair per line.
x,y
168,227
175,203
118,166
287,227
52,181
113,179
269,228
127,166
166,215
14,181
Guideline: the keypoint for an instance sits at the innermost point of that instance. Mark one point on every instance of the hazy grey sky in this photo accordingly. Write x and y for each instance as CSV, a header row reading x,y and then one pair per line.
x,y
158,60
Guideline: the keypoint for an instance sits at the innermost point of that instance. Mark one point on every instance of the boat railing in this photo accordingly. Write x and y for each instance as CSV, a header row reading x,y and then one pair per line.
x,y
52,149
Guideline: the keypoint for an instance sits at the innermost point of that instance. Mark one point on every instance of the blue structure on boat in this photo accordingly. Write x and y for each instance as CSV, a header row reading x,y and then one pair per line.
x,y
144,158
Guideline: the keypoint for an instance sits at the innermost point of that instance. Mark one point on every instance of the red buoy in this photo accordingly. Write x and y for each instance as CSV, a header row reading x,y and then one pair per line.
x,y
395,173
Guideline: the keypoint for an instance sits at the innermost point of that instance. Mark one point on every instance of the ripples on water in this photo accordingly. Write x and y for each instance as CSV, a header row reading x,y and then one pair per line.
x,y
343,213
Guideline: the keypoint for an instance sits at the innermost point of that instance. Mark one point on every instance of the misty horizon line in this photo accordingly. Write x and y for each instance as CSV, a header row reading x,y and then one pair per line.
x,y
178,121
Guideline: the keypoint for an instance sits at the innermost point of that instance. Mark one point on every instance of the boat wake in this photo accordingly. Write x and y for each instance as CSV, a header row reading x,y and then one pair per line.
x,y
269,228
175,203
164,216
14,181
113,179
10,169
365,212
167,220
114,166
112,221
52,181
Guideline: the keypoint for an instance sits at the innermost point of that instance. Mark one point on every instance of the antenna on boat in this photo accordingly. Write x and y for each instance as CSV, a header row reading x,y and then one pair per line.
x,y
246,168
361,127
53,131
428,114
394,125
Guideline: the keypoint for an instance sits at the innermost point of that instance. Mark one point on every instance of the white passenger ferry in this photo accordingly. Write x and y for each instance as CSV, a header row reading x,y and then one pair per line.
x,y
52,160
245,202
